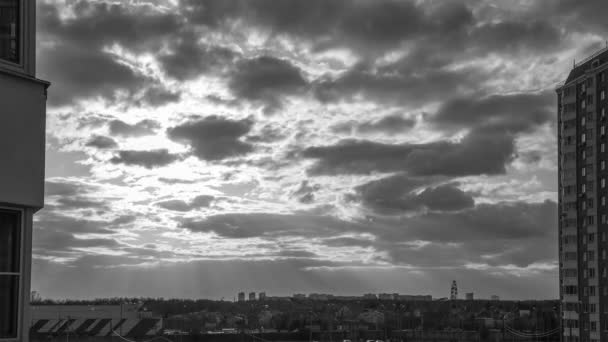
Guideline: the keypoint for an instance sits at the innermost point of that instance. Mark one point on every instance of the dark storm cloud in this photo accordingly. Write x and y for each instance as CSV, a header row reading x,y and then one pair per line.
x,y
190,58
80,202
510,113
514,36
101,142
367,26
477,153
266,79
201,201
305,193
51,220
509,220
493,234
157,96
147,159
404,87
75,61
85,73
257,225
390,124
395,194
59,187
214,137
144,127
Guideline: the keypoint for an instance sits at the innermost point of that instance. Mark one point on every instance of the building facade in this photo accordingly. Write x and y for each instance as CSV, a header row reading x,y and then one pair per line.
x,y
22,146
582,208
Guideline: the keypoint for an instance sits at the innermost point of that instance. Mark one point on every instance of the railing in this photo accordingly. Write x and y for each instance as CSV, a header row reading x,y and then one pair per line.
x,y
576,65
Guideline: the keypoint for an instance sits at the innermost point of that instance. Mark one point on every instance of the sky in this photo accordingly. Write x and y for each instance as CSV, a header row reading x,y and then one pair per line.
x,y
196,149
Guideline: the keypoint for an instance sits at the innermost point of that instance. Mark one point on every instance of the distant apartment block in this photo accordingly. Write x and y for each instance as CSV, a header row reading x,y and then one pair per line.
x,y
22,152
582,210
469,296
251,296
241,296
262,296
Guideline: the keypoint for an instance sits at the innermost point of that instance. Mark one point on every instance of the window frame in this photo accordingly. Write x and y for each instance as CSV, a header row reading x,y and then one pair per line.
x,y
7,63
27,37
20,274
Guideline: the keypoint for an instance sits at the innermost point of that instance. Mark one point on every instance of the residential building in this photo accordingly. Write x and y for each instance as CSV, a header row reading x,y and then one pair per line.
x,y
262,296
251,296
241,296
582,210
494,297
469,296
22,150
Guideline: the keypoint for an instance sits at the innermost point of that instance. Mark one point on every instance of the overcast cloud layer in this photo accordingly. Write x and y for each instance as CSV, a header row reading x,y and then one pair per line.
x,y
200,148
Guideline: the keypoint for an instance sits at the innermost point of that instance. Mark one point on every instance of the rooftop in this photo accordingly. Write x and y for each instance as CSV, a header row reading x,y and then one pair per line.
x,y
580,68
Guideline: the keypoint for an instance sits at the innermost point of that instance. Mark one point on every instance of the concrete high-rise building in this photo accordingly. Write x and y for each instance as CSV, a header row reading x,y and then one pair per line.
x,y
262,296
582,209
251,296
22,151
241,296
469,296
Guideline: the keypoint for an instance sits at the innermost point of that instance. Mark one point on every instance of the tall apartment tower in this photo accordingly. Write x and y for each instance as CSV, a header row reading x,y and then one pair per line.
x,y
582,174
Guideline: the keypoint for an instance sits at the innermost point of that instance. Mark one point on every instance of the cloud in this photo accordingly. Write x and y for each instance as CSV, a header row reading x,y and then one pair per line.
x,y
141,128
305,193
73,55
214,137
517,113
201,201
189,58
147,159
101,142
477,153
390,124
266,79
396,194
158,96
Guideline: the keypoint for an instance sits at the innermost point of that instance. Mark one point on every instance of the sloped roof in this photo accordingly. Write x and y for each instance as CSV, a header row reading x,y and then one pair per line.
x,y
580,68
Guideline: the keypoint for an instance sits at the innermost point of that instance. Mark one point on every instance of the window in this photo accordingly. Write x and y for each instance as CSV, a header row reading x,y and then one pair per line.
x,y
589,99
591,288
583,105
593,325
603,182
10,272
590,203
9,31
603,94
603,165
583,188
590,220
603,130
603,201
603,254
583,138
583,171
592,308
592,275
602,147
591,237
603,112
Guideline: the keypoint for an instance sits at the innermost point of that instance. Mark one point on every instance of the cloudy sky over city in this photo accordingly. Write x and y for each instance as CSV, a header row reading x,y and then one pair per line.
x,y
200,148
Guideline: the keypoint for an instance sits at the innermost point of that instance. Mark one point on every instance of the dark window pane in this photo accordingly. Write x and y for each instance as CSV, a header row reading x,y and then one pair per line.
x,y
10,234
9,30
9,305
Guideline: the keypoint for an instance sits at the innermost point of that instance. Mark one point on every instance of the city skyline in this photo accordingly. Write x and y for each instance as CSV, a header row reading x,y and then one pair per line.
x,y
196,148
